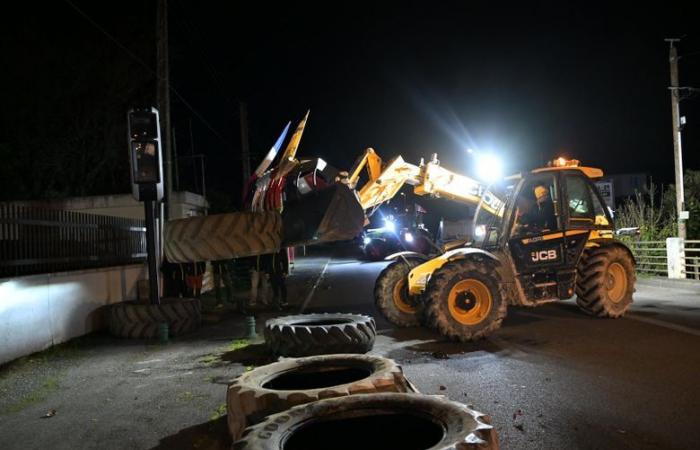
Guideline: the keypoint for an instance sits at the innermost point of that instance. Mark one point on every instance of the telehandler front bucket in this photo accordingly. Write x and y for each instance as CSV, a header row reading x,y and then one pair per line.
x,y
327,215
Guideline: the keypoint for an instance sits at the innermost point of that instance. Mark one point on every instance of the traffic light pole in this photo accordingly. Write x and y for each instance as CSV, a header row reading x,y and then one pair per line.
x,y
153,280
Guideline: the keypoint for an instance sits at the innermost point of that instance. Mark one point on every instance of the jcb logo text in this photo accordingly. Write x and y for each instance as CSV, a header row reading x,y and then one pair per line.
x,y
543,255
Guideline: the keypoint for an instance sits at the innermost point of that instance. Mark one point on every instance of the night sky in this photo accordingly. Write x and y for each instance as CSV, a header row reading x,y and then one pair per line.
x,y
529,82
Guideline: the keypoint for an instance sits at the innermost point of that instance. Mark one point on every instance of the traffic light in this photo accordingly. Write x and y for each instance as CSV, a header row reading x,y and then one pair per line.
x,y
145,154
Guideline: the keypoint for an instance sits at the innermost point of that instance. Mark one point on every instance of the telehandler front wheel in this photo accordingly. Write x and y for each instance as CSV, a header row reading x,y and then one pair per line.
x,y
464,301
605,281
391,293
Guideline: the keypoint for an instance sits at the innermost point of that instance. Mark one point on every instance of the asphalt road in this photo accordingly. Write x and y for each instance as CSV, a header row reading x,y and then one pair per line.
x,y
550,378
553,377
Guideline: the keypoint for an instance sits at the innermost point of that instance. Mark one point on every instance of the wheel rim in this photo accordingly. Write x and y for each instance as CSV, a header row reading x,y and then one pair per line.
x,y
616,282
399,296
469,302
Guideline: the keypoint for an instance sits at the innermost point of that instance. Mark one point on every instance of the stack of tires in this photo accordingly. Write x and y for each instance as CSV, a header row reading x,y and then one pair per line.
x,y
330,394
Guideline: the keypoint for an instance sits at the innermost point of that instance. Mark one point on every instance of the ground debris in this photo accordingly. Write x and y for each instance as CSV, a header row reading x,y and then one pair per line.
x,y
519,427
440,355
442,388
517,413
49,413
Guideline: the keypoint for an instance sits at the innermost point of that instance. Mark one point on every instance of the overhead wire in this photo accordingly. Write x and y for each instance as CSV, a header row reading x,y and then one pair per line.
x,y
147,67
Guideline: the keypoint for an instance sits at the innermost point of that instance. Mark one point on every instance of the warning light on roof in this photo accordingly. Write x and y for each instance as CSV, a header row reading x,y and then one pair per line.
x,y
563,162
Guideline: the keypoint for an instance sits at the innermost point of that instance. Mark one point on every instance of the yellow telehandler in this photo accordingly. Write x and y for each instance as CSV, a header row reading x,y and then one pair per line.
x,y
538,237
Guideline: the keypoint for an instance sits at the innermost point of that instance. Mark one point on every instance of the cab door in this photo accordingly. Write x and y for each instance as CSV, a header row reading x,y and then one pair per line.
x,y
536,236
543,244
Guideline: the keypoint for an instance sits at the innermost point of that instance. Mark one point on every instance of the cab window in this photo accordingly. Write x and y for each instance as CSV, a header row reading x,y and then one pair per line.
x,y
601,218
580,202
536,207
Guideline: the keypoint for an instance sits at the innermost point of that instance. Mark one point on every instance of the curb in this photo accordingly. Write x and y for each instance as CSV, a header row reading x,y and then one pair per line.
x,y
686,285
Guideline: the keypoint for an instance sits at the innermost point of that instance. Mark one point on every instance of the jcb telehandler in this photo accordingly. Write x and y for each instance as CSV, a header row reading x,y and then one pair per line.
x,y
539,237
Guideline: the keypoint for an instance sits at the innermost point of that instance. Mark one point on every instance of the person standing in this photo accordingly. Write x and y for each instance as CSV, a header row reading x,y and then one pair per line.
x,y
278,269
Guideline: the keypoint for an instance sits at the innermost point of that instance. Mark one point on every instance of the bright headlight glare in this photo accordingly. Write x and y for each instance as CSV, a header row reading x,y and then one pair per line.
x,y
408,237
366,240
489,167
389,225
480,231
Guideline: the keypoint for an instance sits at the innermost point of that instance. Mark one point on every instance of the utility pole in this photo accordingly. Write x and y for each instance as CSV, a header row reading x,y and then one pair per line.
x,y
163,75
677,150
245,148
175,165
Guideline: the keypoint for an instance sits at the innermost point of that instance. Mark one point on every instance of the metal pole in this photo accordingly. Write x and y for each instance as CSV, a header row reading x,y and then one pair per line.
x,y
194,169
175,163
163,75
204,185
677,150
245,148
151,250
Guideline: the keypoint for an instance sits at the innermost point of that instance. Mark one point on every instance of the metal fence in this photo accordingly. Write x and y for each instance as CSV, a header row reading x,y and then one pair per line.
x,y
37,240
692,260
651,257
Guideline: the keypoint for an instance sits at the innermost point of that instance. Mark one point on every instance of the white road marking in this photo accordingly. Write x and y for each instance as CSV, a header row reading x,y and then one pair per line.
x,y
661,323
313,289
632,316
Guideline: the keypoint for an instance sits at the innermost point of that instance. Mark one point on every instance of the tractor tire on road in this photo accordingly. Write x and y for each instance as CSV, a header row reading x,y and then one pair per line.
x,y
391,293
373,422
141,320
464,300
277,387
605,281
320,334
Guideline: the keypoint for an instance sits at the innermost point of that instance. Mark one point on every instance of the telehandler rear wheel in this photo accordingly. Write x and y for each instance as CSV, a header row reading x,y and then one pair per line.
x,y
464,300
391,293
605,281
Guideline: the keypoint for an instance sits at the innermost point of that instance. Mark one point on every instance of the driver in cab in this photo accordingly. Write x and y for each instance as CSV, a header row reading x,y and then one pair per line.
x,y
537,217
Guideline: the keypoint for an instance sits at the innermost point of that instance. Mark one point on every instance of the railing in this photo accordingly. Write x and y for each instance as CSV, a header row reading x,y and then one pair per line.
x,y
36,240
651,257
692,260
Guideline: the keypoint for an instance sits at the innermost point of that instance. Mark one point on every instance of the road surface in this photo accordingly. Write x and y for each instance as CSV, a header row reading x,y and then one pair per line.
x,y
553,377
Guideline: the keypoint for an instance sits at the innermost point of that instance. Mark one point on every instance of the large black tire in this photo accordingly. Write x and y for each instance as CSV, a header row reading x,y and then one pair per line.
x,y
320,334
391,293
277,387
605,281
141,320
223,236
464,300
373,422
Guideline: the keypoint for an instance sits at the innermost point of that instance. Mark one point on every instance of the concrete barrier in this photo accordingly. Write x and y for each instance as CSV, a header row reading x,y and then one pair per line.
x,y
39,311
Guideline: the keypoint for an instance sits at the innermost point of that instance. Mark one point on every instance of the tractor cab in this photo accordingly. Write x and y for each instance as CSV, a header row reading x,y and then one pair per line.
x,y
551,215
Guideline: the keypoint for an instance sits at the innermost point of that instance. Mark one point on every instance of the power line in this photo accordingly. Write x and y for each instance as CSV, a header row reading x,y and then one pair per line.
x,y
194,34
147,67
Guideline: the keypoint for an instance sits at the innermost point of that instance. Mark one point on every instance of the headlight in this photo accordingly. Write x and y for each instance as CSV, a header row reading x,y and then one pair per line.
x,y
408,237
480,231
366,240
389,225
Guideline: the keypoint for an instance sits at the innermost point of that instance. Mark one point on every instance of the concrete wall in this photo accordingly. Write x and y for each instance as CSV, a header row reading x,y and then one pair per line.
x,y
39,311
183,204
